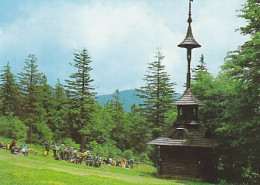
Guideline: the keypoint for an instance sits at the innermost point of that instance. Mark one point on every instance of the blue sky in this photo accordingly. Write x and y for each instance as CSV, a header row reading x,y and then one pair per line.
x,y
121,36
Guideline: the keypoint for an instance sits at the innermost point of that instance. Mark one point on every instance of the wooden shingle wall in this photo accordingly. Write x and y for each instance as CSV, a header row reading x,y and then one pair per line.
x,y
190,163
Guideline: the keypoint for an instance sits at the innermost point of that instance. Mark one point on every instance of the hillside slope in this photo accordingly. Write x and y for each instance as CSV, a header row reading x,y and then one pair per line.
x,y
40,170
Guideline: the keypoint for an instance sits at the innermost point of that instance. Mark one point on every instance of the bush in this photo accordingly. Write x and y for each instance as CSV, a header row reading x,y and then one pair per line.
x,y
128,154
43,132
108,149
12,127
68,142
143,157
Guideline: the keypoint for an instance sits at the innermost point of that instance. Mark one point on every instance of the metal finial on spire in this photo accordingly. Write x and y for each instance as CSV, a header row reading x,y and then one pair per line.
x,y
189,43
190,19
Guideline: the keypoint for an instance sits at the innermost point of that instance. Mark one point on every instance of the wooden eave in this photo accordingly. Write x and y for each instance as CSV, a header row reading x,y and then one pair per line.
x,y
187,99
199,142
195,138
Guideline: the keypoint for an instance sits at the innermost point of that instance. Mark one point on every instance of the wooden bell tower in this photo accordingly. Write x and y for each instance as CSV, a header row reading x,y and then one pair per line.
x,y
186,152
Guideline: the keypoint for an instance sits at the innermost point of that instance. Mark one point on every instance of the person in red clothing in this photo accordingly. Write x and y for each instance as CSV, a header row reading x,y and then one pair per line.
x,y
123,162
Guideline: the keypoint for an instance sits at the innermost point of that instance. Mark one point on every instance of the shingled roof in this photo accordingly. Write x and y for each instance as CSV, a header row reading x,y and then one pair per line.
x,y
187,99
167,141
164,141
195,137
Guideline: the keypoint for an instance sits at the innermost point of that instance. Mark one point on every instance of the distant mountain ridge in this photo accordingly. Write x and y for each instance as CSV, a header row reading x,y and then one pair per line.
x,y
127,97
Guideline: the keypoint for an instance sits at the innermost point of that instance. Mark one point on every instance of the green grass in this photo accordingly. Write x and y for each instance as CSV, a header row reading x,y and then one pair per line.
x,y
41,170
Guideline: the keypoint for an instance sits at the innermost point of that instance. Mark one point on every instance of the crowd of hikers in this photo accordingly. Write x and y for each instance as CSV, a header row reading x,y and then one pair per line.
x,y
19,150
71,154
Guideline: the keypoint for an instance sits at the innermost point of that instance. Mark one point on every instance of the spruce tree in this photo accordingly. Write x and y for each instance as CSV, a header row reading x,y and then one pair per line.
x,y
9,92
80,83
47,100
242,120
121,123
232,100
158,93
117,107
82,104
200,68
32,112
59,117
138,131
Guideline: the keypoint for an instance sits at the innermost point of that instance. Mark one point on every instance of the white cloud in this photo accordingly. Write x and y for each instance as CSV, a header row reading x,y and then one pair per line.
x,y
121,37
215,28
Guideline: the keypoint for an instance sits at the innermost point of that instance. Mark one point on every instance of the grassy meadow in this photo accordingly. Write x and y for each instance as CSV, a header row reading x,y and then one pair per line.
x,y
42,170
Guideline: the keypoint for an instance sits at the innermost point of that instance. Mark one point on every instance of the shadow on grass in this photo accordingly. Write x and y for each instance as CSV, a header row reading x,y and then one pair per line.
x,y
175,179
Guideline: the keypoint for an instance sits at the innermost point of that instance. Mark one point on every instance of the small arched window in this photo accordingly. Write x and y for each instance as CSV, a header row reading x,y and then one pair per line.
x,y
180,133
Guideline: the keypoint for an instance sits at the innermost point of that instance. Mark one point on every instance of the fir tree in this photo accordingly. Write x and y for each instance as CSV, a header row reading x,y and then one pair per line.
x,y
60,126
82,105
47,100
200,68
138,131
158,93
80,82
9,92
242,121
118,116
232,100
117,107
33,113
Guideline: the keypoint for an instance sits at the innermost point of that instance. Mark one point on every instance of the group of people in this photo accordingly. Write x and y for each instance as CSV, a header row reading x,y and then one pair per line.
x,y
123,162
71,154
19,150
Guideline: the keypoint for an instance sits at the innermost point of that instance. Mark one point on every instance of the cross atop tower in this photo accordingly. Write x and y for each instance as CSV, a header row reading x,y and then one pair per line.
x,y
189,43
187,103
